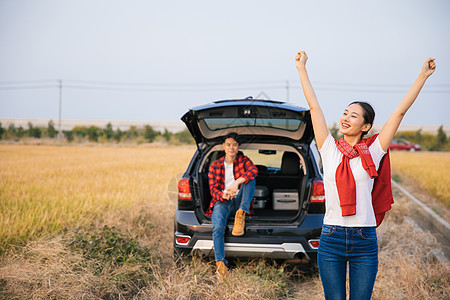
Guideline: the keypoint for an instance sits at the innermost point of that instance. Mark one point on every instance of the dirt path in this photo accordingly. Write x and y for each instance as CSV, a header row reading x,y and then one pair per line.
x,y
434,204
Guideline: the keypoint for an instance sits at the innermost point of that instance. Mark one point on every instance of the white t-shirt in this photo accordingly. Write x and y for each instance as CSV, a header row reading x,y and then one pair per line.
x,y
331,158
229,176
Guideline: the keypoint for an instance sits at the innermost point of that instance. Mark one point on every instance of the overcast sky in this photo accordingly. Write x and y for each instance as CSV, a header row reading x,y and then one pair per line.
x,y
153,60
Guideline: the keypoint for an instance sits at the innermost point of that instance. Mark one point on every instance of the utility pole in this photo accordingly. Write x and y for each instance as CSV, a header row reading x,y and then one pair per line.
x,y
287,90
60,135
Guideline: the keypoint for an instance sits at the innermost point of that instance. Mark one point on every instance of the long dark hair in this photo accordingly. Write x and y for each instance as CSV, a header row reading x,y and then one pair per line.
x,y
368,115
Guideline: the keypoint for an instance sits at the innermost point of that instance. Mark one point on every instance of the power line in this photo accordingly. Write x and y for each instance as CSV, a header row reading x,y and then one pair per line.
x,y
28,87
392,85
198,87
212,84
382,91
152,84
27,82
174,89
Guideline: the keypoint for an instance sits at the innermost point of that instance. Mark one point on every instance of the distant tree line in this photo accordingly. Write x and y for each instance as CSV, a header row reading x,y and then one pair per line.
x,y
428,141
146,134
96,134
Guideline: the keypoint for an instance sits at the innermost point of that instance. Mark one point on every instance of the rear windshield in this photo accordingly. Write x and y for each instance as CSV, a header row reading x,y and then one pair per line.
x,y
270,161
267,160
223,123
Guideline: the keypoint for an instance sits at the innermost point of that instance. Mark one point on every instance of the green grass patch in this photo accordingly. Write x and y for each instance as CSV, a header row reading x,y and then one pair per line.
x,y
108,250
396,178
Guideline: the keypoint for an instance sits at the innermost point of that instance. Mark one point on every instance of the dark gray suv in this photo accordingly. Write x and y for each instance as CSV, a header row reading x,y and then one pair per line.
x,y
288,204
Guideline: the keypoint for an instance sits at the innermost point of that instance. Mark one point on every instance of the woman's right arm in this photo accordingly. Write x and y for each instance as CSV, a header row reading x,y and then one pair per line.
x,y
317,117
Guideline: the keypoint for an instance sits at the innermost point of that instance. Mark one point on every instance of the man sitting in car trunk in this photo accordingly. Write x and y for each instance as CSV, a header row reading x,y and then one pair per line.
x,y
232,185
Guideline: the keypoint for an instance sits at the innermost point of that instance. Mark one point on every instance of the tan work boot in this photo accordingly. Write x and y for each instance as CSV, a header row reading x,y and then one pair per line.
x,y
221,269
239,223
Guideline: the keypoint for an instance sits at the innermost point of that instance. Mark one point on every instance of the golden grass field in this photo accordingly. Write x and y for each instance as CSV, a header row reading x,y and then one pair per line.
x,y
46,188
430,170
53,198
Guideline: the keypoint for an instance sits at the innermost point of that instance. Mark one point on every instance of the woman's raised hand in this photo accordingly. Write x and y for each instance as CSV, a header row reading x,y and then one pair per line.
x,y
300,59
317,117
393,122
429,66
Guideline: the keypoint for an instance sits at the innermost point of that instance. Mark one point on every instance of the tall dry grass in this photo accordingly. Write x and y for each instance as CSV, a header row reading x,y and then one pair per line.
x,y
132,257
407,267
55,202
429,169
44,189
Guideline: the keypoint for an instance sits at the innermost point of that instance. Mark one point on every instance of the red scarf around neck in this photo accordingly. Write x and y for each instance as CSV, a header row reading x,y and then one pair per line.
x,y
382,198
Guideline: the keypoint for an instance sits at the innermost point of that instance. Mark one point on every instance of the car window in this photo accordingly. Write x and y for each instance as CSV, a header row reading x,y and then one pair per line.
x,y
222,123
268,160
316,154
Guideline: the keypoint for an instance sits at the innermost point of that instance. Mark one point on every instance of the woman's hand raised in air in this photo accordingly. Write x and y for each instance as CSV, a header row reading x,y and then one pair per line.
x,y
317,117
429,67
300,59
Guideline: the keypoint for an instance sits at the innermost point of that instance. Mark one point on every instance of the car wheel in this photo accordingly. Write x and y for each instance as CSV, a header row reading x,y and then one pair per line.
x,y
412,149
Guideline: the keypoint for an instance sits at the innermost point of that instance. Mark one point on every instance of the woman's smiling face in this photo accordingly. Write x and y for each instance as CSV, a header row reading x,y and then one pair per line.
x,y
352,122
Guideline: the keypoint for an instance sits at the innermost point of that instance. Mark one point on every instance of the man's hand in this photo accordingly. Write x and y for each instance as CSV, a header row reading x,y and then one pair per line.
x,y
227,195
300,59
429,66
230,193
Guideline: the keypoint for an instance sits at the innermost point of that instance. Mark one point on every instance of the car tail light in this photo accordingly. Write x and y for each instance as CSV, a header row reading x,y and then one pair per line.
x,y
314,244
182,239
184,190
318,192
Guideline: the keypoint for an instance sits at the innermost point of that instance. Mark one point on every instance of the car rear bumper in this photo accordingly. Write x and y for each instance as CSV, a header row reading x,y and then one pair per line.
x,y
284,250
275,241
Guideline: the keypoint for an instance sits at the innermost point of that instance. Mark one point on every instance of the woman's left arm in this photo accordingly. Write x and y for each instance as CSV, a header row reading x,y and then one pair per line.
x,y
390,127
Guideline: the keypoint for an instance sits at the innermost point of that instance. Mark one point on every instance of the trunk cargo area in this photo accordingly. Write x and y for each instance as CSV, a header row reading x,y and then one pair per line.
x,y
278,196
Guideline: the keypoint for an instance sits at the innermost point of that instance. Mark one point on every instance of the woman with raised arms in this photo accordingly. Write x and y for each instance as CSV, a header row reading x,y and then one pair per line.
x,y
357,187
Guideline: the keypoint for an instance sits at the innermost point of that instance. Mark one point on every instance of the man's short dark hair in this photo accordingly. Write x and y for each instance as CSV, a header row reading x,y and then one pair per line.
x,y
232,135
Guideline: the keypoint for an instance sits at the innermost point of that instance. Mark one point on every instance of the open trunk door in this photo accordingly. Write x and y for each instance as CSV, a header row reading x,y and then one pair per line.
x,y
249,118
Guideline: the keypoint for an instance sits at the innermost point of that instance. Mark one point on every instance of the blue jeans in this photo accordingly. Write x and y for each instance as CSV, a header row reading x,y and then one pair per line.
x,y
223,210
355,245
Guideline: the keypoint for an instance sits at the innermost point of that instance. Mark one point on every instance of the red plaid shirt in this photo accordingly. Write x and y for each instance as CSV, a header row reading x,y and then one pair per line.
x,y
242,167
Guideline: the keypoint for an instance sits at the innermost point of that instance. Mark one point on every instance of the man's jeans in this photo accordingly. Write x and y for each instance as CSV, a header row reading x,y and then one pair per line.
x,y
223,210
358,246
